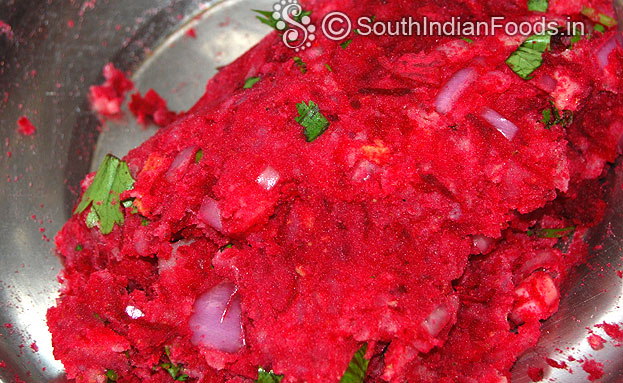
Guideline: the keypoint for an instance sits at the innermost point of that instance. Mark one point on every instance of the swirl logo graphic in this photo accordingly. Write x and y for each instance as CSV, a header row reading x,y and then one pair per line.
x,y
298,30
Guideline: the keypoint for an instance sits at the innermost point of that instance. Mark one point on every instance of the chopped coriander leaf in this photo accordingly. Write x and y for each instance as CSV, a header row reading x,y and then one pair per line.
x,y
552,233
173,369
607,20
267,377
538,5
301,64
575,39
469,41
266,17
248,83
112,179
328,67
228,246
552,116
310,117
111,376
92,219
547,118
600,28
198,156
600,18
79,247
145,221
346,43
529,55
129,203
357,368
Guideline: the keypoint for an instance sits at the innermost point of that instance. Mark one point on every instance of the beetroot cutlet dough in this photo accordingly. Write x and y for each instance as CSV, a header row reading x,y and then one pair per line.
x,y
371,233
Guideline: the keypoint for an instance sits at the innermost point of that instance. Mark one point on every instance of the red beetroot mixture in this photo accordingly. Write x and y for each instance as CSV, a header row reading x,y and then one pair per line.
x,y
106,99
594,369
412,225
613,330
151,108
596,342
25,127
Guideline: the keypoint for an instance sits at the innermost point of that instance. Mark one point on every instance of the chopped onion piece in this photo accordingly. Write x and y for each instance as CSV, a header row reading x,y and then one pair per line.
x,y
436,320
504,126
603,53
182,159
210,213
449,94
547,83
268,179
481,242
217,319
134,312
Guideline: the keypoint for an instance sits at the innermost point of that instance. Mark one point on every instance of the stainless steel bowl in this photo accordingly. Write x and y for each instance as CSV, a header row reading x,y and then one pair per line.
x,y
148,38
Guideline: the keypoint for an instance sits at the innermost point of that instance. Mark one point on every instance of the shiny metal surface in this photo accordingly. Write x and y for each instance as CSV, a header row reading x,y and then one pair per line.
x,y
148,38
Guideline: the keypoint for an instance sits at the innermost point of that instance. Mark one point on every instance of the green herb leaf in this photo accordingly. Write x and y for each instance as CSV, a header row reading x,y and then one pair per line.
x,y
469,41
310,117
600,28
267,377
198,156
228,246
328,67
111,376
112,179
529,56
538,5
575,39
607,20
547,118
551,233
79,247
248,83
346,43
552,116
301,64
600,18
173,369
266,17
357,368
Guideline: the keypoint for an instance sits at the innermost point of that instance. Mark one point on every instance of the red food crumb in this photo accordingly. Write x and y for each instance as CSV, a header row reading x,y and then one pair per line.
x,y
596,342
613,330
2,364
5,29
151,108
34,346
8,325
18,379
556,364
620,274
191,33
25,127
594,369
106,99
70,23
535,374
